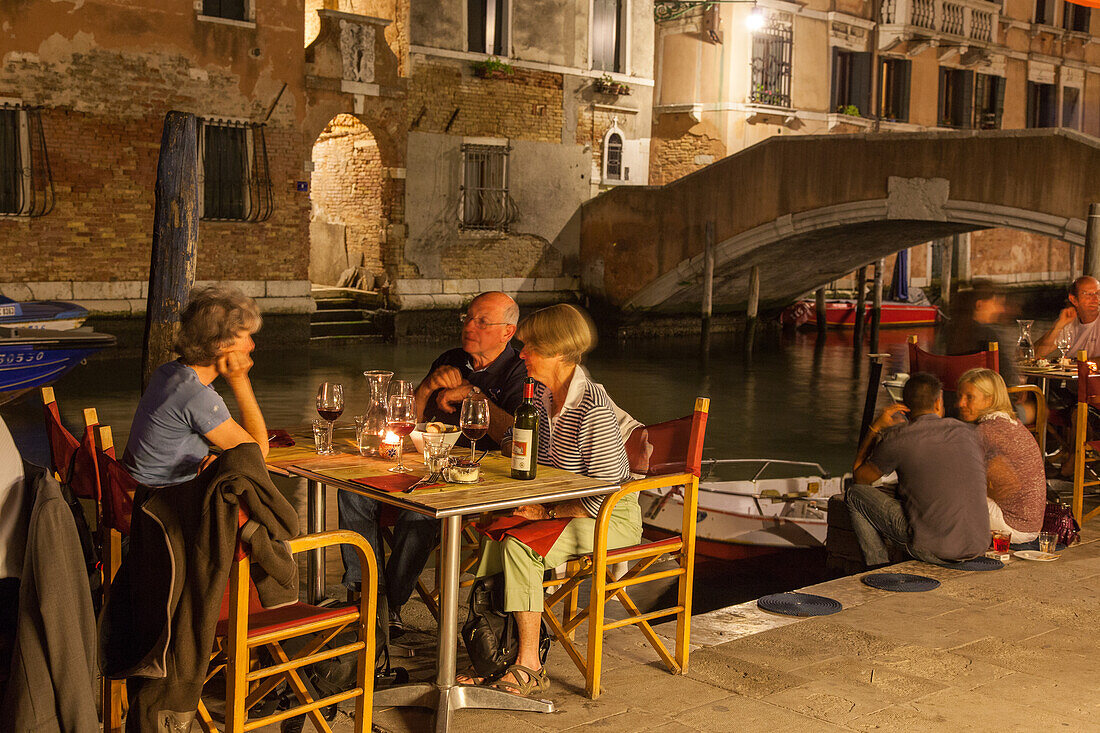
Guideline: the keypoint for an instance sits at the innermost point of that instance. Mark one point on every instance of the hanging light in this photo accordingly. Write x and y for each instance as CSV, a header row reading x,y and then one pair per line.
x,y
754,21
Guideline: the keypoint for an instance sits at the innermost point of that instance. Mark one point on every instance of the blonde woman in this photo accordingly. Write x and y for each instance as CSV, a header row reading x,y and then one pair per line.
x,y
1017,482
578,432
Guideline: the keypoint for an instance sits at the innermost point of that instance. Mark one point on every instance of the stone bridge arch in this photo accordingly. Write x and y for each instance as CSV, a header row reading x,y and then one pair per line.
x,y
809,209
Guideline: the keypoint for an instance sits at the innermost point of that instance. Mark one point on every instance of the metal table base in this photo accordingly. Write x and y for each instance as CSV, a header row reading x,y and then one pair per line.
x,y
444,695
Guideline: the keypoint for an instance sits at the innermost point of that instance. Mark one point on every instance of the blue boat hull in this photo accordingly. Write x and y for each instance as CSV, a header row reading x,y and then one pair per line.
x,y
36,358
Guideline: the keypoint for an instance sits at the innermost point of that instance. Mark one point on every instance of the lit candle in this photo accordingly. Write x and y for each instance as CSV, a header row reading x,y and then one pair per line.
x,y
390,445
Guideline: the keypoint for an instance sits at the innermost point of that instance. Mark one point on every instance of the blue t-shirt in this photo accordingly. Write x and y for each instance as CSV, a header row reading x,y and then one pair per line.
x,y
166,443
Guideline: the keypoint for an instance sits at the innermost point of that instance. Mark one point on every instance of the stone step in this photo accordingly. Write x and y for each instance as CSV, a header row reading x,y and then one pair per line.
x,y
342,328
332,304
339,314
349,340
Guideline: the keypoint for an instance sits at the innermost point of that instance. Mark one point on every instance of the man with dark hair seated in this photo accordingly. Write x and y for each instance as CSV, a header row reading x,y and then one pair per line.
x,y
939,514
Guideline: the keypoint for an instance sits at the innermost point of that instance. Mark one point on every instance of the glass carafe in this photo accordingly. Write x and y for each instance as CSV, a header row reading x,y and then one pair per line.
x,y
1025,348
378,382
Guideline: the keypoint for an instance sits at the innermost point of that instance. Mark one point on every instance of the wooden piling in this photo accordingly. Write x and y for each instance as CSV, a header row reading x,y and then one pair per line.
x,y
754,296
861,304
708,285
876,304
946,263
1092,242
820,312
175,235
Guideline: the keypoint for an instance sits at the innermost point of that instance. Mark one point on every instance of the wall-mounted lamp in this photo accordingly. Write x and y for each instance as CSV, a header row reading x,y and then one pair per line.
x,y
755,19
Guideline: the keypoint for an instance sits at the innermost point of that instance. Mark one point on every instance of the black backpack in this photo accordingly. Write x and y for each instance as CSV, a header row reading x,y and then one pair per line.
x,y
490,634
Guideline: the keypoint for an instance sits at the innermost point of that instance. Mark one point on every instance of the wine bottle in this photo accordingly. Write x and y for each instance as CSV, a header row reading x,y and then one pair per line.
x,y
525,435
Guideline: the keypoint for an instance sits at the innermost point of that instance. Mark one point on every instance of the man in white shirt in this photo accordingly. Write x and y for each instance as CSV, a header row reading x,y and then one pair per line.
x,y
1082,317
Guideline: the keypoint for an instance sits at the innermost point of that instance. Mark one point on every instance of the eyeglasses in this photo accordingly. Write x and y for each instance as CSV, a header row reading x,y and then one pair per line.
x,y
1089,294
480,323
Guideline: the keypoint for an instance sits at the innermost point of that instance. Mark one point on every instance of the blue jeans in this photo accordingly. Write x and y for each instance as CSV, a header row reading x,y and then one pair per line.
x,y
877,514
414,538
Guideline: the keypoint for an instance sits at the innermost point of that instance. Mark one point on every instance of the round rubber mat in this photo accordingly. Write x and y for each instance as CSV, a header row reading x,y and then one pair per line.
x,y
799,604
900,582
978,563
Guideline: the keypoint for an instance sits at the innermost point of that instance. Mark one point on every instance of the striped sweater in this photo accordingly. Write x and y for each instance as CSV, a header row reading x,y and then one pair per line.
x,y
584,436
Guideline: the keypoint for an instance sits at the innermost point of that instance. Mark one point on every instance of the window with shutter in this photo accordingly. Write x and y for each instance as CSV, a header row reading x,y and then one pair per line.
x,y
1071,107
487,26
956,97
1044,12
1042,110
895,89
1075,18
851,81
989,96
607,40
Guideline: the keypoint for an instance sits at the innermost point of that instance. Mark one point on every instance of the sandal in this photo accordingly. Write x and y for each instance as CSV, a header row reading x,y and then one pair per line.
x,y
537,681
469,677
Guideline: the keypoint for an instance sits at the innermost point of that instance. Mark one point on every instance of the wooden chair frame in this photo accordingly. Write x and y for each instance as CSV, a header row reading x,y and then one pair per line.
x,y
1039,428
597,569
1081,443
113,691
247,683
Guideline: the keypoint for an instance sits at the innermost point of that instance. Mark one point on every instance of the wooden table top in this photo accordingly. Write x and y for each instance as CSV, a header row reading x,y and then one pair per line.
x,y
496,491
1048,372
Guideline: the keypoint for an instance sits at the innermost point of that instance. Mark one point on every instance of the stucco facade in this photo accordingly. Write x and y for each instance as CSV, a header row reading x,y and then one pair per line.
x,y
714,97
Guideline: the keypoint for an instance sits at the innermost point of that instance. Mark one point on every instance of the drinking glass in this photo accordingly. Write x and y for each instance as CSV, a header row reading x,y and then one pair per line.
x,y
1065,339
400,420
320,437
474,419
401,387
1048,542
330,403
1001,540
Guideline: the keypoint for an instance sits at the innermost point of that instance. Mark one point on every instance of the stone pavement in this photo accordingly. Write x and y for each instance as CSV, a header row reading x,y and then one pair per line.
x,y
1008,650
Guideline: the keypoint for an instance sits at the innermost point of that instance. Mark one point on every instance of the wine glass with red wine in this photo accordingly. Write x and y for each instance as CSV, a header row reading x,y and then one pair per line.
x,y
400,420
330,403
474,419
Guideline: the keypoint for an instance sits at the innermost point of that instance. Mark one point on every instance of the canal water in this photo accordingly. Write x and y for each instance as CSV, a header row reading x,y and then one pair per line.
x,y
792,396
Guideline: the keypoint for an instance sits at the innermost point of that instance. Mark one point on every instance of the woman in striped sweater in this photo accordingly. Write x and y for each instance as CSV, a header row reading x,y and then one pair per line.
x,y
578,432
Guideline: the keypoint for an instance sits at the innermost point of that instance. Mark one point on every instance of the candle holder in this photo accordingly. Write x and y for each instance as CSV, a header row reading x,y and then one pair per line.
x,y
389,447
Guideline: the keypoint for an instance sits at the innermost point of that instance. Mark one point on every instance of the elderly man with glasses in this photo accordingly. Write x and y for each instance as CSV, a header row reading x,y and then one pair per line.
x,y
1081,316
486,361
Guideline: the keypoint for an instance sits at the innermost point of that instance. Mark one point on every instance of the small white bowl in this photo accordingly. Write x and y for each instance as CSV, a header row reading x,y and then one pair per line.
x,y
417,435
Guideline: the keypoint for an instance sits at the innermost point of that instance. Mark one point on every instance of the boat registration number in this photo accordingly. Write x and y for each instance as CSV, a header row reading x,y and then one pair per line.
x,y
22,358
7,310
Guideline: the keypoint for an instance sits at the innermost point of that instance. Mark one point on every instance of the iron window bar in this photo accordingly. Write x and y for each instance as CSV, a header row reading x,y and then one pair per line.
x,y
771,65
486,203
26,182
236,174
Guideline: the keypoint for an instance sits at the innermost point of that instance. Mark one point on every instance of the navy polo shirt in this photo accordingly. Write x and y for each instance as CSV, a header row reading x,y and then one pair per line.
x,y
502,381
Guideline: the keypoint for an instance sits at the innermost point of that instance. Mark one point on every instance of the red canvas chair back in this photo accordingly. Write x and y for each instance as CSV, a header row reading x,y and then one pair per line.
x,y
117,503
950,368
677,445
74,460
1088,382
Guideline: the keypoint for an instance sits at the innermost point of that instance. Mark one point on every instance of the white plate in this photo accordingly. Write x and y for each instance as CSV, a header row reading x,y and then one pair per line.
x,y
1036,555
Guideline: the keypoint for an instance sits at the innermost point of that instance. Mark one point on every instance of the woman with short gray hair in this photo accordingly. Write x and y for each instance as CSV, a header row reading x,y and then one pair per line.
x,y
180,415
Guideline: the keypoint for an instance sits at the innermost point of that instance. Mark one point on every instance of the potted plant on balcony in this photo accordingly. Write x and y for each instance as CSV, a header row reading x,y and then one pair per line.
x,y
848,109
493,68
606,85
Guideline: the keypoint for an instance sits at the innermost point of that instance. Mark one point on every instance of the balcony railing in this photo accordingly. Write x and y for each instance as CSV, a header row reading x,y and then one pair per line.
x,y
974,20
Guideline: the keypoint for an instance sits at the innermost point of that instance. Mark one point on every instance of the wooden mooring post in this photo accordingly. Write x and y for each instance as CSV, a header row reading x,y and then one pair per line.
x,y
752,313
861,305
708,286
947,261
175,235
876,304
820,312
1092,242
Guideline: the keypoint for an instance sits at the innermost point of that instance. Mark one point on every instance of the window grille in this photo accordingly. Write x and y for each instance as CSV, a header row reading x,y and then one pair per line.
x,y
614,170
607,33
236,179
771,65
485,200
26,184
229,9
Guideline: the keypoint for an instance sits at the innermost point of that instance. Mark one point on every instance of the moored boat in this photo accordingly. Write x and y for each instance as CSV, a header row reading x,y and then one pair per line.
x,y
749,507
52,314
841,313
33,357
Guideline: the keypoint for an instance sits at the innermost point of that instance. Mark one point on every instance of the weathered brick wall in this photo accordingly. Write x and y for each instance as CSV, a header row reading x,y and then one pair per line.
x,y
681,146
1007,253
526,105
347,186
104,83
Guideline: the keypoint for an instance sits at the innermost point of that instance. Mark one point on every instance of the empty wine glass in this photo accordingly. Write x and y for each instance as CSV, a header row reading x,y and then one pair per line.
x,y
400,420
330,403
474,419
1065,339
401,387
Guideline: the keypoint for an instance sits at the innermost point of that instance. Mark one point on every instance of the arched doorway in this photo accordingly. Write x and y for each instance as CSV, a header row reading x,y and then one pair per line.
x,y
347,228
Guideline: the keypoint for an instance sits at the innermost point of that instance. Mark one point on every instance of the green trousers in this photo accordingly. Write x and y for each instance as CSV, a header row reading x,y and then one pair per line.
x,y
523,568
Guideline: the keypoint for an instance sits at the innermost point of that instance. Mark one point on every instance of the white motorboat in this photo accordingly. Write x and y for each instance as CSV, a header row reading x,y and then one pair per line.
x,y
749,506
